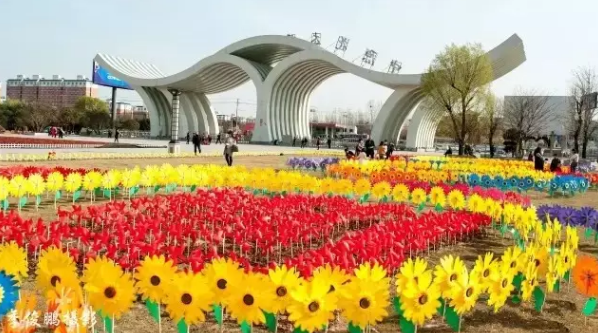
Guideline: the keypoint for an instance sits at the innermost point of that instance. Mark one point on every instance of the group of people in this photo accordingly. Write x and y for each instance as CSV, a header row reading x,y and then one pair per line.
x,y
56,132
368,149
205,139
305,141
116,135
230,144
555,164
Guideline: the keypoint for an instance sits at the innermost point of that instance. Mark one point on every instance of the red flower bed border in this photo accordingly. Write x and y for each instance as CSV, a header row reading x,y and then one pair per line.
x,y
7,140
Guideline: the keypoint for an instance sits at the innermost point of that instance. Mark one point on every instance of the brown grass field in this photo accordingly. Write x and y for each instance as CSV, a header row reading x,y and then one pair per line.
x,y
561,313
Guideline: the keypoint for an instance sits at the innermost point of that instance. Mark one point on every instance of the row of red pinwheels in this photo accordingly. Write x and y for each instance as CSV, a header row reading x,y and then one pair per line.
x,y
192,228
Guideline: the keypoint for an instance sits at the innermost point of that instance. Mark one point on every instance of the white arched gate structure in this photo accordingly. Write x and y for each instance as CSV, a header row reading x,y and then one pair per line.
x,y
285,71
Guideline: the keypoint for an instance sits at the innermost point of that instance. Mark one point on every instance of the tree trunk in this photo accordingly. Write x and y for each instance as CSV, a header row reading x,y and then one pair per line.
x,y
491,144
577,134
584,147
461,147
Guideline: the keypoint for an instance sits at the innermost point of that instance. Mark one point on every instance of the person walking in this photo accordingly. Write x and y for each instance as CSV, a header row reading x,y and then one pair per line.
x,y
188,137
116,136
318,143
196,143
359,148
230,147
329,142
370,147
574,160
218,138
294,140
382,149
391,149
538,159
449,152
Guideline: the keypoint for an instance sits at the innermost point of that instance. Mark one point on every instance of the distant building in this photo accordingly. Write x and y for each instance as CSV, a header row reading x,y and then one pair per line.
x,y
140,112
57,91
127,110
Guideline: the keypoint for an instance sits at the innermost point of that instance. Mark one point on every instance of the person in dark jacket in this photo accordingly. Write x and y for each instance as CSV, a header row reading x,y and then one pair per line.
x,y
318,143
370,147
538,159
555,164
196,143
390,150
116,136
188,137
329,142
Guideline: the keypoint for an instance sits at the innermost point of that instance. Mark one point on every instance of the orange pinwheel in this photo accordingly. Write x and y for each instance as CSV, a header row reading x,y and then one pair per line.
x,y
585,276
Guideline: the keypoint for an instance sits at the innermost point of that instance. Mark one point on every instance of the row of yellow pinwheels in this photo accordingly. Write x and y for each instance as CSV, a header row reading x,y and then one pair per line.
x,y
96,156
446,171
311,303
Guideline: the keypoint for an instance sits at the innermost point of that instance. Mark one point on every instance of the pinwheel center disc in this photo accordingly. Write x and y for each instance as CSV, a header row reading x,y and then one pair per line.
x,y
469,292
221,284
423,299
566,259
453,277
538,263
281,291
155,280
513,264
54,280
486,272
313,306
364,303
331,288
186,299
248,299
504,283
110,292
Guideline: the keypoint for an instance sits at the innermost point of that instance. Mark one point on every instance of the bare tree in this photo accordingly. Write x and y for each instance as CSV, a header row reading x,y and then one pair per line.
x,y
582,109
528,113
492,118
39,116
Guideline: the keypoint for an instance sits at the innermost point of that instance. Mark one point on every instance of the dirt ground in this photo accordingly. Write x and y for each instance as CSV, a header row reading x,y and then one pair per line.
x,y
562,312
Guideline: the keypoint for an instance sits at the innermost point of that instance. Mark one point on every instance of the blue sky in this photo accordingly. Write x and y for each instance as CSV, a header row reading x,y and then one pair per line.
x,y
62,36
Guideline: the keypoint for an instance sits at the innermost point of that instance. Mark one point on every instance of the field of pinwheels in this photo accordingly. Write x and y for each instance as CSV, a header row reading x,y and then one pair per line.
x,y
301,244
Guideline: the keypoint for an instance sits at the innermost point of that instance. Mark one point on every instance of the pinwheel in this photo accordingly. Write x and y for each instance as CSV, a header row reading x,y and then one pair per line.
x,y
9,293
187,299
364,300
13,261
313,305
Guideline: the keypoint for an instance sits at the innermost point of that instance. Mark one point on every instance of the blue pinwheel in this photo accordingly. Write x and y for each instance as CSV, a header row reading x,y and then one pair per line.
x,y
540,185
514,181
9,292
474,179
555,185
499,182
487,181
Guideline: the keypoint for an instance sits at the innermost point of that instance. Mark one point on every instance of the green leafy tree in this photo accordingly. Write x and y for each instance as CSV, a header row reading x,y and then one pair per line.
x,y
95,114
71,118
13,114
144,124
128,124
456,83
